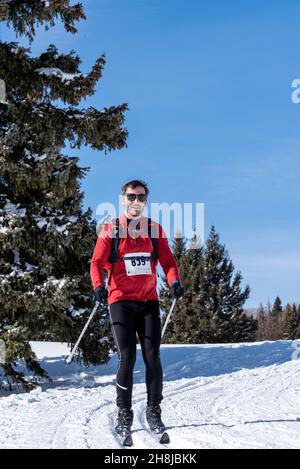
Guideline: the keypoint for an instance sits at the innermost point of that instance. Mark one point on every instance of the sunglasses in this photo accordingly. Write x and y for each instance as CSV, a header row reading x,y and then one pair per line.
x,y
140,197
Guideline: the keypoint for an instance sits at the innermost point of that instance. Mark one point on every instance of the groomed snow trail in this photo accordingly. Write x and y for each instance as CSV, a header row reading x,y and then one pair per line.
x,y
225,396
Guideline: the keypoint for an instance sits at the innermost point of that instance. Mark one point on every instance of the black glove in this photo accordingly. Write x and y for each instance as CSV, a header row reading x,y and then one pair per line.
x,y
101,294
177,290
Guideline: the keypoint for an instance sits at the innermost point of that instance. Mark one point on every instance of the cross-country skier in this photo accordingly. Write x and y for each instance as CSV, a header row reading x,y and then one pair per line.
x,y
128,248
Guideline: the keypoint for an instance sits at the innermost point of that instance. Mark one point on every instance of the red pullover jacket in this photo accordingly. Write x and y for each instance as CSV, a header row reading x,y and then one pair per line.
x,y
135,287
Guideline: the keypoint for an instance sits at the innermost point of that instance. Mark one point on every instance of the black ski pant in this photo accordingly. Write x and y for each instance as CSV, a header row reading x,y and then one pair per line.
x,y
128,318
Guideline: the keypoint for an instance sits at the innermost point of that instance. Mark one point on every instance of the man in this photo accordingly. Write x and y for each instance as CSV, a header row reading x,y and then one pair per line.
x,y
132,298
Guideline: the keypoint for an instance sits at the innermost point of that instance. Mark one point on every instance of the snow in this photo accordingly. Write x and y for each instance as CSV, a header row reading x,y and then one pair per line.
x,y
61,228
18,273
76,312
51,225
16,256
30,266
41,222
59,283
9,212
15,272
34,156
215,396
15,49
58,73
13,209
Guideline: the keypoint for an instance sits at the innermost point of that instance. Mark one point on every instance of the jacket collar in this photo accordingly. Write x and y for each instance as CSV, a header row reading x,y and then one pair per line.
x,y
125,221
137,228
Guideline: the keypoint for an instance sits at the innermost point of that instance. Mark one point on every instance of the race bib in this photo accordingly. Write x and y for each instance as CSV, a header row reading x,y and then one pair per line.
x,y
137,263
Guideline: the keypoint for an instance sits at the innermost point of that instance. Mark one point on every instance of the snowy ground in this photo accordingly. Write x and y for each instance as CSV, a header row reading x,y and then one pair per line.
x,y
221,396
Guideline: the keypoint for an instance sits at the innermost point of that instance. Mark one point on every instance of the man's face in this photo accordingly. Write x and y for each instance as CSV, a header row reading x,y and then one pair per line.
x,y
134,208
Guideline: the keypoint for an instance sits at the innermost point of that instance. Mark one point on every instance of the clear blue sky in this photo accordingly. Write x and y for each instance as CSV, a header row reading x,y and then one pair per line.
x,y
211,119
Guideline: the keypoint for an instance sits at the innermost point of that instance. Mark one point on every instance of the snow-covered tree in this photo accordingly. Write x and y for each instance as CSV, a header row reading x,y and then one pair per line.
x,y
46,239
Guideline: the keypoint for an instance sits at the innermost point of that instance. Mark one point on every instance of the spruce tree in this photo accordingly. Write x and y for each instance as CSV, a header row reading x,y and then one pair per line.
x,y
46,239
291,322
204,325
274,328
187,325
212,307
25,16
261,321
297,335
223,296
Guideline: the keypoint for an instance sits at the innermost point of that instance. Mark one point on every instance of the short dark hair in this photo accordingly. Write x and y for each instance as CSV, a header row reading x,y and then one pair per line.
x,y
134,184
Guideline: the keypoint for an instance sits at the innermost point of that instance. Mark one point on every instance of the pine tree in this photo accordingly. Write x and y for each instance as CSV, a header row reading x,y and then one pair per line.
x,y
291,322
189,323
261,321
25,16
297,334
223,296
204,324
274,326
212,307
46,239
296,314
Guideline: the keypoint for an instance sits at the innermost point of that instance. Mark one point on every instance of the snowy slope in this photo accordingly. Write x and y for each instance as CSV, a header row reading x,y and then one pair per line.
x,y
215,396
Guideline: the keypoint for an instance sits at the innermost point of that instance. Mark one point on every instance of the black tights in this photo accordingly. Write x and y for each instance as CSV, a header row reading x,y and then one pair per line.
x,y
128,318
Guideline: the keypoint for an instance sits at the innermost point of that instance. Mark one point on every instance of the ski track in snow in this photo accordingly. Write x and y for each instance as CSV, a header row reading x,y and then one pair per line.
x,y
248,408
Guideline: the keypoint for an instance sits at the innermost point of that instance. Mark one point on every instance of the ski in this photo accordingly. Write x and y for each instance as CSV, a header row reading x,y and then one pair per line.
x,y
162,436
125,439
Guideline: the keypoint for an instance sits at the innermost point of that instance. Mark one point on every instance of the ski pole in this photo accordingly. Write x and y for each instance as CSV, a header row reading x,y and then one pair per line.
x,y
168,318
70,357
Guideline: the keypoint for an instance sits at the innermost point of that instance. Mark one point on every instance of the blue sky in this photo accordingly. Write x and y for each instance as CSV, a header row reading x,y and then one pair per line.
x,y
210,119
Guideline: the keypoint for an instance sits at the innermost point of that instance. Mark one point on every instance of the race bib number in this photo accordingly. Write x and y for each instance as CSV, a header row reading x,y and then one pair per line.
x,y
137,263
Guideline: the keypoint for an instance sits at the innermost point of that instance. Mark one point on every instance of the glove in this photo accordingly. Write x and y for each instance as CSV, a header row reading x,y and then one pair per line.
x,y
101,294
177,290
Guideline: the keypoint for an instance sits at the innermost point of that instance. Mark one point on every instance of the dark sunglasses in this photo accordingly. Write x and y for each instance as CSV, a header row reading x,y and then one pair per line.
x,y
140,197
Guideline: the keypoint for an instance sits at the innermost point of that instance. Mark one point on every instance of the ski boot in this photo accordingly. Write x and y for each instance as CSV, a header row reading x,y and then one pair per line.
x,y
124,422
153,416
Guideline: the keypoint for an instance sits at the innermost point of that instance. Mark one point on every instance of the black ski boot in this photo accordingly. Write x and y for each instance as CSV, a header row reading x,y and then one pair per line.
x,y
124,422
153,416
